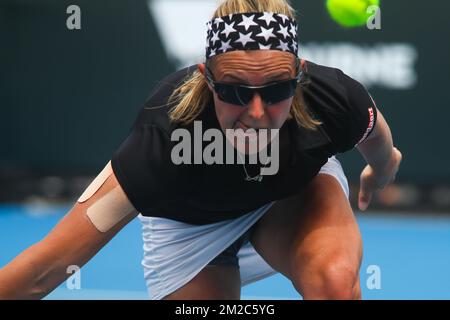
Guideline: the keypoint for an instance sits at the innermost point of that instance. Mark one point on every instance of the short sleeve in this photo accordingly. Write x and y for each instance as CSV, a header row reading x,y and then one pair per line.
x,y
361,114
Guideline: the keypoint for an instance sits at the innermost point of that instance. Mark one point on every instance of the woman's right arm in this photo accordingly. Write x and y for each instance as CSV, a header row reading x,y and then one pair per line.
x,y
74,241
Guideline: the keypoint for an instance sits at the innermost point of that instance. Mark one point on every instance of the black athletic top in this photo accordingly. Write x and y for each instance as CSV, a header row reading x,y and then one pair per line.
x,y
201,194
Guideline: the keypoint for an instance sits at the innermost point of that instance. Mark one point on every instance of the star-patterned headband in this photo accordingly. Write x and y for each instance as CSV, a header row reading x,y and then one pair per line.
x,y
251,31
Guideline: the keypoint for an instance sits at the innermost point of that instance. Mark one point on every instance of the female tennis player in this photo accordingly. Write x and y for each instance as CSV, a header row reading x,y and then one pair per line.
x,y
211,228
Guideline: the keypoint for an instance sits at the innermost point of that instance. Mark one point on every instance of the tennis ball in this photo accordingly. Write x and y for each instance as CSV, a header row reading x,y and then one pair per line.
x,y
350,13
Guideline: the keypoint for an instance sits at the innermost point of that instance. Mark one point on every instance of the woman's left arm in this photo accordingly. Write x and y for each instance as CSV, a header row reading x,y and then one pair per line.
x,y
383,161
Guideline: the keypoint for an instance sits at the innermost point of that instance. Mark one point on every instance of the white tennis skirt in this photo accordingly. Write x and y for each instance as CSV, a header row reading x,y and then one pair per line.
x,y
175,252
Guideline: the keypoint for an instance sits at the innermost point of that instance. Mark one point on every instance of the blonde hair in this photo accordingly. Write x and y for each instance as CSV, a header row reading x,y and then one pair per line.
x,y
193,95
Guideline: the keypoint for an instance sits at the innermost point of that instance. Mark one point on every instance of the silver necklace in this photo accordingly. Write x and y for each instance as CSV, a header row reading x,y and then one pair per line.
x,y
257,178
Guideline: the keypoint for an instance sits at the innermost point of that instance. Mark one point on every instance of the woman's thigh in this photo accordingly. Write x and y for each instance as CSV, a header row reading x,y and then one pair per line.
x,y
214,282
313,229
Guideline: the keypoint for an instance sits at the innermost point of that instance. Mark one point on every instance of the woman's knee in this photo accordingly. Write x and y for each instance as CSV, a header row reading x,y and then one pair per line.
x,y
334,276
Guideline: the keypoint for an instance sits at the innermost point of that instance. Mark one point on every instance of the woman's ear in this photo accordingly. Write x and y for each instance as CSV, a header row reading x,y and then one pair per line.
x,y
201,68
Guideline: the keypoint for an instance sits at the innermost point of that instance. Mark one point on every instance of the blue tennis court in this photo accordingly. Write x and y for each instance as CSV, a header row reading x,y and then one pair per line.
x,y
411,252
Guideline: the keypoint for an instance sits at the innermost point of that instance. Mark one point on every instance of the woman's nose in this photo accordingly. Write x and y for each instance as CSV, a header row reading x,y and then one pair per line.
x,y
256,107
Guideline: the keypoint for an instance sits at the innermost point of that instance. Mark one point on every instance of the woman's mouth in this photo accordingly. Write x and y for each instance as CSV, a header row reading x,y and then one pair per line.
x,y
240,125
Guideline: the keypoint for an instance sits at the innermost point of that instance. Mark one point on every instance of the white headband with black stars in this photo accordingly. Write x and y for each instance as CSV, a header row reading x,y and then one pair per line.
x,y
251,31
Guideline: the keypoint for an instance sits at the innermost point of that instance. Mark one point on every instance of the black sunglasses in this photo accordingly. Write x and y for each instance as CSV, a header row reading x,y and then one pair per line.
x,y
241,95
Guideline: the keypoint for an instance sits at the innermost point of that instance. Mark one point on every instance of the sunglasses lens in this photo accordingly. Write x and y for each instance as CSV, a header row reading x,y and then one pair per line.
x,y
227,93
245,95
278,92
234,94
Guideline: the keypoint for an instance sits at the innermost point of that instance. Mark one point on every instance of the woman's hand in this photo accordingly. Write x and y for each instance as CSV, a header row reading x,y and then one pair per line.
x,y
372,181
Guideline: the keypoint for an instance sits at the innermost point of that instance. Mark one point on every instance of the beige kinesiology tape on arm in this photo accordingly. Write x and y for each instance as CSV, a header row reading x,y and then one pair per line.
x,y
111,208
